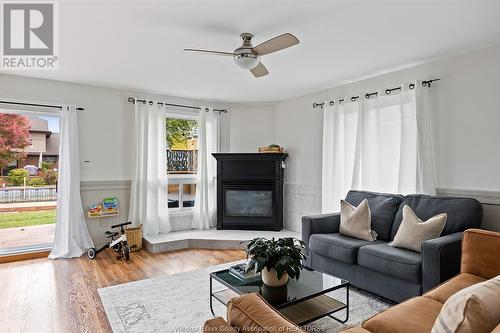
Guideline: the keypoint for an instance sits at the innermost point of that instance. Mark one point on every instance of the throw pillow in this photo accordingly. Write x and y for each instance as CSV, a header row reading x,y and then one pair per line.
x,y
356,221
473,309
413,231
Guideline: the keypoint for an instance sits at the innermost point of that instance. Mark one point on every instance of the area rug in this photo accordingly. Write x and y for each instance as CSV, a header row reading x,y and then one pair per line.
x,y
180,303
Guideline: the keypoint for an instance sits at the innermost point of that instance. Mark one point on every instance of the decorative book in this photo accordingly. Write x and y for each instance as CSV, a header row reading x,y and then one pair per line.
x,y
239,272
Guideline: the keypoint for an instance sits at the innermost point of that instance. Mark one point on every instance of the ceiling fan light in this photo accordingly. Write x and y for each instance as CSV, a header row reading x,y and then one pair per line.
x,y
246,60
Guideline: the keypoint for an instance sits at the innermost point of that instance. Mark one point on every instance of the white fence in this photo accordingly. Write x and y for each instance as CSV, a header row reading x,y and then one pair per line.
x,y
28,194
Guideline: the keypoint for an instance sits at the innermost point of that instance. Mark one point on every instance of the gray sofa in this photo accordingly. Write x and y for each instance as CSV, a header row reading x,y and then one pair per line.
x,y
394,273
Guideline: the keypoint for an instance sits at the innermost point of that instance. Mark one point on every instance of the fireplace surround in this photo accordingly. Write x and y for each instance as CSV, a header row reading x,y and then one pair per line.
x,y
250,191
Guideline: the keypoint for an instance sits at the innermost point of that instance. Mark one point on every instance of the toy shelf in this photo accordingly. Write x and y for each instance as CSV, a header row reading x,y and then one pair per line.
x,y
102,214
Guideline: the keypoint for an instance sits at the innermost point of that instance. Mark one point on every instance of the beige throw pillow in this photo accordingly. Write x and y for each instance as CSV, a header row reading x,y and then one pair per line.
x,y
356,221
413,231
473,309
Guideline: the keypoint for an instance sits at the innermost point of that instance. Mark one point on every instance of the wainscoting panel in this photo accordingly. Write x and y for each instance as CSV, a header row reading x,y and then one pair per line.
x,y
299,200
489,199
303,200
92,192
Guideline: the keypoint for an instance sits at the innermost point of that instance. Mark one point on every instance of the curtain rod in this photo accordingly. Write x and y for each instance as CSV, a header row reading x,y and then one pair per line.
x,y
426,83
38,105
132,100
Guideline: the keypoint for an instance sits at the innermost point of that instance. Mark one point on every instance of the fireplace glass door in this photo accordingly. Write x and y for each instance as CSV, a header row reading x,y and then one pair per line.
x,y
248,206
251,203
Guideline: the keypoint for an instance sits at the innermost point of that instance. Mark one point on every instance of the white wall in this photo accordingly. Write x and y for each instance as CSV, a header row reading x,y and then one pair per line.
x,y
466,124
300,132
250,127
105,126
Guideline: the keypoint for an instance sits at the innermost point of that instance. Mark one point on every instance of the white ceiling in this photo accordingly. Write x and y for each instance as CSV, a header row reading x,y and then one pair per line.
x,y
138,44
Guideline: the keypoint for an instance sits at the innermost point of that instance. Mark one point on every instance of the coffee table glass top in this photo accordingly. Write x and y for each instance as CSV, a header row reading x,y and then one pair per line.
x,y
310,284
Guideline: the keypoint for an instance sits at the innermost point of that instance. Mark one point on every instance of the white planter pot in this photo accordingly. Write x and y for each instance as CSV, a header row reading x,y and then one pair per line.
x,y
270,278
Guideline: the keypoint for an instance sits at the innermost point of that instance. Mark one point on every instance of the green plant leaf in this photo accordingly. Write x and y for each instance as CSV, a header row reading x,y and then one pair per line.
x,y
283,254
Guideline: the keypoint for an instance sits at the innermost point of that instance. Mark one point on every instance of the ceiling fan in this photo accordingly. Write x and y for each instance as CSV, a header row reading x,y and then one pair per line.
x,y
248,57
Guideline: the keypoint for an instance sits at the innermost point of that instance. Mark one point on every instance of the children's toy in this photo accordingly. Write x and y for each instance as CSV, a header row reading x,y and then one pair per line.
x,y
119,245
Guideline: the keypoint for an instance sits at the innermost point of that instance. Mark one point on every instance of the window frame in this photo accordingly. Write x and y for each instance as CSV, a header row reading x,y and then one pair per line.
x,y
181,179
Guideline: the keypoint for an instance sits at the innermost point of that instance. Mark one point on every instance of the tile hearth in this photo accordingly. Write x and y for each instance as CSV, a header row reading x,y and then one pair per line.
x,y
208,239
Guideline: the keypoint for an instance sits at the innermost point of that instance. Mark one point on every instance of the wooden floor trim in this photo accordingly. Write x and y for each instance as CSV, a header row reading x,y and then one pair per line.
x,y
23,256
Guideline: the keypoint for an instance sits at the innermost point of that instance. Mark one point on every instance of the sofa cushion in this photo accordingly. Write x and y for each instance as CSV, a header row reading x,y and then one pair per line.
x,y
355,329
217,325
403,264
463,213
249,313
383,208
480,253
338,247
413,231
442,292
473,309
356,221
416,315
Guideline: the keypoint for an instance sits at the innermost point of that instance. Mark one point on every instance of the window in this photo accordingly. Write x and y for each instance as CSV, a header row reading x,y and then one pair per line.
x,y
182,160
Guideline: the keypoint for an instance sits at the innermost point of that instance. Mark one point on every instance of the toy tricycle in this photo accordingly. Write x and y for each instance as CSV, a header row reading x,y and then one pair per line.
x,y
119,245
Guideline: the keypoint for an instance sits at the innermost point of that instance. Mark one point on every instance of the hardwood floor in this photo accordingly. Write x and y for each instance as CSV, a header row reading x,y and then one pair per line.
x,y
42,295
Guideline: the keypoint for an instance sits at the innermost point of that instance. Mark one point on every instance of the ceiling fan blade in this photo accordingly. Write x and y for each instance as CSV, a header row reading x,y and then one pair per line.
x,y
259,70
230,54
276,44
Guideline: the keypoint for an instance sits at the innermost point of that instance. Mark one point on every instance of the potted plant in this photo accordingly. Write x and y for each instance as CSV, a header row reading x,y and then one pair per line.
x,y
277,259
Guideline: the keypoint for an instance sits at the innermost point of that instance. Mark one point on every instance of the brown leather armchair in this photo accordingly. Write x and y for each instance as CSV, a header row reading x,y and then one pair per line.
x,y
480,261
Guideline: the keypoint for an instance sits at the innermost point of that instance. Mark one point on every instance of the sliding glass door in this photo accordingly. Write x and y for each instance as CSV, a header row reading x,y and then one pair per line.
x,y
29,155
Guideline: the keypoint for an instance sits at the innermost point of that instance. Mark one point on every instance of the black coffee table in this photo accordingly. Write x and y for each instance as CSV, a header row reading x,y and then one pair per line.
x,y
301,301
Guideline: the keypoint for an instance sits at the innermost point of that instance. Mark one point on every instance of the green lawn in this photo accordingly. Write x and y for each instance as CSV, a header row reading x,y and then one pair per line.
x,y
25,219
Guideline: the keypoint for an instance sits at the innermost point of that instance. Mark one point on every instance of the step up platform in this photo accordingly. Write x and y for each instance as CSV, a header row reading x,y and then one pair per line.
x,y
209,239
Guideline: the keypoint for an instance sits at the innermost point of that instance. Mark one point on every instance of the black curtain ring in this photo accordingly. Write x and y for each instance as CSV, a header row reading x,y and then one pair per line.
x,y
388,91
412,85
332,102
150,102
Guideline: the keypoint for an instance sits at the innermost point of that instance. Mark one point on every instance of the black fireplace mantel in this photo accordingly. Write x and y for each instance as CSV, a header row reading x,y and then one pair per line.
x,y
250,190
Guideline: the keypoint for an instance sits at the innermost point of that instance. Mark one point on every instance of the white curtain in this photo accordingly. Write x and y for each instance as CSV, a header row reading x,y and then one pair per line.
x,y
340,135
425,160
148,201
388,161
205,205
72,237
380,144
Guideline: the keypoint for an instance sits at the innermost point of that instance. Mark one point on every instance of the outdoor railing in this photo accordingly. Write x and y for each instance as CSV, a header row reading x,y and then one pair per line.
x,y
27,194
182,161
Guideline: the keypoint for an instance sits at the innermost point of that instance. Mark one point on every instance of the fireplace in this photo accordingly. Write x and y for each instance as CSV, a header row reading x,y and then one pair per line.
x,y
250,191
248,200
